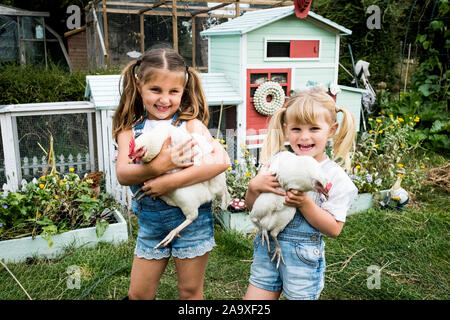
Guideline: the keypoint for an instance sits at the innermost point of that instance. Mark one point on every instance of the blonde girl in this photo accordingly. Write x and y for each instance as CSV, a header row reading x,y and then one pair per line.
x,y
307,122
159,87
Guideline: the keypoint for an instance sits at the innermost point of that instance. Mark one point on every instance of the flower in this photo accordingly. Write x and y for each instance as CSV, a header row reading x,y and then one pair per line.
x,y
5,206
235,161
422,167
41,186
1,224
370,131
416,119
380,132
378,121
369,177
229,169
378,182
400,165
56,197
247,174
358,167
401,119
246,152
402,144
71,169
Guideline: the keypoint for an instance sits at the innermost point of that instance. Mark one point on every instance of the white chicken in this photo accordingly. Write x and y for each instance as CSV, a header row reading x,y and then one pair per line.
x,y
269,213
147,146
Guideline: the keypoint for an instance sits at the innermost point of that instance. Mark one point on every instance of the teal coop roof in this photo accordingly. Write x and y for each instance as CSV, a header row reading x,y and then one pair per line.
x,y
103,90
257,19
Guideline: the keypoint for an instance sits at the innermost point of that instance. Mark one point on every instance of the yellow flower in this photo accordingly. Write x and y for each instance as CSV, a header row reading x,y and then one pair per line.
x,y
400,165
56,197
412,173
224,146
400,119
65,180
89,181
235,161
402,144
246,152
376,146
358,167
378,120
391,116
247,174
229,169
39,215
223,141
370,119
43,177
380,132
370,131
410,118
416,119
71,169
41,186
422,167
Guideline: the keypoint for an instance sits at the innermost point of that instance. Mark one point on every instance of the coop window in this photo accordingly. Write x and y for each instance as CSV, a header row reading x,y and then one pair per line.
x,y
292,48
277,49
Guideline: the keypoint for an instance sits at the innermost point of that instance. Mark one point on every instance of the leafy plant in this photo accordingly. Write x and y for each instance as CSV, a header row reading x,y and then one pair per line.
x,y
53,204
240,173
383,152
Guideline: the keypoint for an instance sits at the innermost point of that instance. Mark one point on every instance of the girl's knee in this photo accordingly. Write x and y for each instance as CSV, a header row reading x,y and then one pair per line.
x,y
190,292
140,295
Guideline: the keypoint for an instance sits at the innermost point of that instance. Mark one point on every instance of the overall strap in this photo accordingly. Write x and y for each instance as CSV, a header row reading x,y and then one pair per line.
x,y
138,129
175,117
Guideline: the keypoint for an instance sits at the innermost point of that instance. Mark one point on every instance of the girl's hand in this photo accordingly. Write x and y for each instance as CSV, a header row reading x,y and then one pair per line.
x,y
156,187
265,181
178,156
296,198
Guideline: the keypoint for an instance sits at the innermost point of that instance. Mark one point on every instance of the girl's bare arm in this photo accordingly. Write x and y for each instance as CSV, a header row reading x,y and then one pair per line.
x,y
134,174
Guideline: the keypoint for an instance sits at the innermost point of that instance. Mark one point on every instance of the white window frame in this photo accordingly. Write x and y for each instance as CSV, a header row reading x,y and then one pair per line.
x,y
288,39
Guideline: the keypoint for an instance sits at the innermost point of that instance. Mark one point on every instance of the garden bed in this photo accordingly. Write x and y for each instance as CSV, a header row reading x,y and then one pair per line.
x,y
18,250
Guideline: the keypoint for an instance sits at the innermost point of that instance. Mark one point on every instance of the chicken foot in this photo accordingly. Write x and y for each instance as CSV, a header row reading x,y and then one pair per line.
x,y
174,233
277,252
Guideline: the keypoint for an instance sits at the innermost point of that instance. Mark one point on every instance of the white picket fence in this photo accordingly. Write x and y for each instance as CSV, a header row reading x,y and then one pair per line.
x,y
81,163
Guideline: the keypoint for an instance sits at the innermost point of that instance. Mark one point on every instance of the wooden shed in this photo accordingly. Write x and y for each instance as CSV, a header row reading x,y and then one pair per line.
x,y
275,45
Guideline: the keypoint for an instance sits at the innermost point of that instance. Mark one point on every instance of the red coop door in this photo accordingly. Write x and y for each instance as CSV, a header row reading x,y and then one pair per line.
x,y
256,77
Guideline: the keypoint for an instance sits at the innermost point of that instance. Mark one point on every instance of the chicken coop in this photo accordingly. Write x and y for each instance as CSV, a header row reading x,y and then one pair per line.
x,y
26,39
277,49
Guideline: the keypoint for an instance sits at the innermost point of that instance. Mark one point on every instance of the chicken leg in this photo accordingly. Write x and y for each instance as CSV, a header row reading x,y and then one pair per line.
x,y
277,252
174,233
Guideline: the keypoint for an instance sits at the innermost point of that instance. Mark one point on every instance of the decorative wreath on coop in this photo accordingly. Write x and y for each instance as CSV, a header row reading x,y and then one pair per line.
x,y
268,89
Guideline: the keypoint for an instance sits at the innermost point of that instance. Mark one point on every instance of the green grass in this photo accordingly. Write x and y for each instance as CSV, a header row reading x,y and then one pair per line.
x,y
410,247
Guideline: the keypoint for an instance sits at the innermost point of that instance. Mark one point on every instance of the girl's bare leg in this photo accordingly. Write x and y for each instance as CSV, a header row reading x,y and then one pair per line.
x,y
191,276
255,293
145,276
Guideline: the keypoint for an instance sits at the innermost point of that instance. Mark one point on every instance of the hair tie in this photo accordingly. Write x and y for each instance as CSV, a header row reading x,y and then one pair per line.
x,y
338,110
187,74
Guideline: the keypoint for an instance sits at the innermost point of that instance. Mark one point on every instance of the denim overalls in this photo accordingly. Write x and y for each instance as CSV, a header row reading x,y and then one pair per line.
x,y
156,219
303,251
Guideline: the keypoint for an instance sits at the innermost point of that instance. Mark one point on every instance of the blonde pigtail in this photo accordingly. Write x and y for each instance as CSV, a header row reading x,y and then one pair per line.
x,y
345,138
275,139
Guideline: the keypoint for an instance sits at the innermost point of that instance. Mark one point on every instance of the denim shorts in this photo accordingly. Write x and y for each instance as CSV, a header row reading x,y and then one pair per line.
x,y
302,277
156,219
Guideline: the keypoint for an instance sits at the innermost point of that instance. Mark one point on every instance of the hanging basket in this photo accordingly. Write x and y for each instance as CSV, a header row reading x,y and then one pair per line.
x,y
260,102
